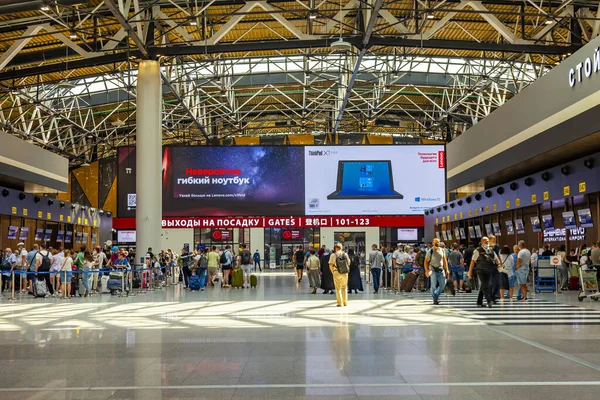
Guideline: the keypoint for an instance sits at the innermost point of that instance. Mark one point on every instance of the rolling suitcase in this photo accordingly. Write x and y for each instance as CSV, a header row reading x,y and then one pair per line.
x,y
40,289
408,283
253,281
194,282
574,283
449,289
104,284
237,278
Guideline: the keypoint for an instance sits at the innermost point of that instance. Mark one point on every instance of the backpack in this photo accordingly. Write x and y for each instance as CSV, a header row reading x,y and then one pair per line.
x,y
342,263
6,265
45,265
420,259
203,262
223,258
246,257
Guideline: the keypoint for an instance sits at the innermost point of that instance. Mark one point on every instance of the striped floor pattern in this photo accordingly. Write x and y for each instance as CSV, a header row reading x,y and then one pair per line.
x,y
534,311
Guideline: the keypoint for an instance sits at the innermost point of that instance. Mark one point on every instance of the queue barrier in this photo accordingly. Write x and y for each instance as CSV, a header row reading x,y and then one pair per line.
x,y
129,272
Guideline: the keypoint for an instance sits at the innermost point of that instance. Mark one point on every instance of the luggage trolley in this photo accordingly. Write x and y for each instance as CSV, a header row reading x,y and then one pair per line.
x,y
589,284
544,276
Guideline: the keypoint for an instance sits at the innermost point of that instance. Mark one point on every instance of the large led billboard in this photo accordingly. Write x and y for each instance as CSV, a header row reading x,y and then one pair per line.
x,y
291,180
373,180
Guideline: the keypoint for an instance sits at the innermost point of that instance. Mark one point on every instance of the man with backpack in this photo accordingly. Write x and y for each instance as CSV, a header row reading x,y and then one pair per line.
x,y
246,264
226,261
487,263
339,263
436,267
201,268
186,261
43,261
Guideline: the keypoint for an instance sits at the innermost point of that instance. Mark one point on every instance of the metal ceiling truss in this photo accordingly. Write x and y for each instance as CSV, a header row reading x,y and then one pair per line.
x,y
420,69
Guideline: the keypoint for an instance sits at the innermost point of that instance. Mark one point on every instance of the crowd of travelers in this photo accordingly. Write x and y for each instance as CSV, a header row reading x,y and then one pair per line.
x,y
500,273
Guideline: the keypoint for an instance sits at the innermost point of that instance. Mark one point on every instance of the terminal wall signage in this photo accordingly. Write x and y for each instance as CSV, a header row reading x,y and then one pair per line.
x,y
293,222
589,66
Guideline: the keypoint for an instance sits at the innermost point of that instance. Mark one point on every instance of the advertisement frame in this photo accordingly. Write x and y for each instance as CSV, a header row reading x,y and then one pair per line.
x,y
443,145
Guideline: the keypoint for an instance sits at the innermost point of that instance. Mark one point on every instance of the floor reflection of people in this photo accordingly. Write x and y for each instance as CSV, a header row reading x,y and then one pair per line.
x,y
341,343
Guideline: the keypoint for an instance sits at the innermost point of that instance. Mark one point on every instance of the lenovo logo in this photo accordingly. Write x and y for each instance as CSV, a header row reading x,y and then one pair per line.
x,y
441,160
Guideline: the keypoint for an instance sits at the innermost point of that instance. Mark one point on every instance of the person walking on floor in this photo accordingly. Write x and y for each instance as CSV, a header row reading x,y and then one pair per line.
x,y
487,263
298,259
457,267
436,268
354,279
326,275
340,278
508,265
256,258
563,269
246,264
313,264
213,266
186,260
522,268
226,261
376,261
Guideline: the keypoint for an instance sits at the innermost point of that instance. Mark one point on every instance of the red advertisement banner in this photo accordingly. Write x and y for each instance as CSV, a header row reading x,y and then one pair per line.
x,y
293,222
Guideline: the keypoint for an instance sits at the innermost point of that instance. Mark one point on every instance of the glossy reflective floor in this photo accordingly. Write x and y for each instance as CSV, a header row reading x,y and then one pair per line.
x,y
280,342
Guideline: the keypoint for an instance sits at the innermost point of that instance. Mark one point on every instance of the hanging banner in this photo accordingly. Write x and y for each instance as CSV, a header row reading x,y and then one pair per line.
x,y
293,222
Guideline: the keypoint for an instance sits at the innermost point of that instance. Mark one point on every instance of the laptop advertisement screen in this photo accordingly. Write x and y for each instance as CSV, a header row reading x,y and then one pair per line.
x,y
374,180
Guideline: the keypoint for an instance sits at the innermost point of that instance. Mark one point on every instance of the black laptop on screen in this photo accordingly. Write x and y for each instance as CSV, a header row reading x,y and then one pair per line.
x,y
365,180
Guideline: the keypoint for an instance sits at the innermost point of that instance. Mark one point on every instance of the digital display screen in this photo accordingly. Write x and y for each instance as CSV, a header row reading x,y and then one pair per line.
x,y
12,232
520,226
497,230
126,236
211,181
585,218
510,229
488,230
536,224
408,234
478,231
471,232
463,235
569,220
548,221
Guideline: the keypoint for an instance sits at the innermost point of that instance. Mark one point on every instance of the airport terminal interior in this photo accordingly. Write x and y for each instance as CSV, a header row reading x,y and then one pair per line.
x,y
299,199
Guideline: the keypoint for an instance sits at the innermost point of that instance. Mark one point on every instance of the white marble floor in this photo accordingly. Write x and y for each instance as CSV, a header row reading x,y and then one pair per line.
x,y
280,342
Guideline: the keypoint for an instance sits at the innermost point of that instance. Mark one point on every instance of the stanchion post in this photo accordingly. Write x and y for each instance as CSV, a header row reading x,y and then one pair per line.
x,y
151,283
13,286
1,284
64,286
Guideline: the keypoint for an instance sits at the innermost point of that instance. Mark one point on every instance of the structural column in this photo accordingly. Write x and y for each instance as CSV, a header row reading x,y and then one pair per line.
x,y
148,158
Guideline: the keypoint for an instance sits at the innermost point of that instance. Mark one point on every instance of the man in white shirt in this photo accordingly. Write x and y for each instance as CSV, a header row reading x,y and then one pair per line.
x,y
22,263
398,260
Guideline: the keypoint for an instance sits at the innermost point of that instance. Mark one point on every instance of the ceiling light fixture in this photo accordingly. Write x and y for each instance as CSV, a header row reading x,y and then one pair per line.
x,y
430,15
549,20
193,23
73,35
45,7
117,123
312,15
85,164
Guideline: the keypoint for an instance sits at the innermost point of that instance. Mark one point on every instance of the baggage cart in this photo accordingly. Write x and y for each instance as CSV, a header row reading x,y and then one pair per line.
x,y
589,284
544,276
